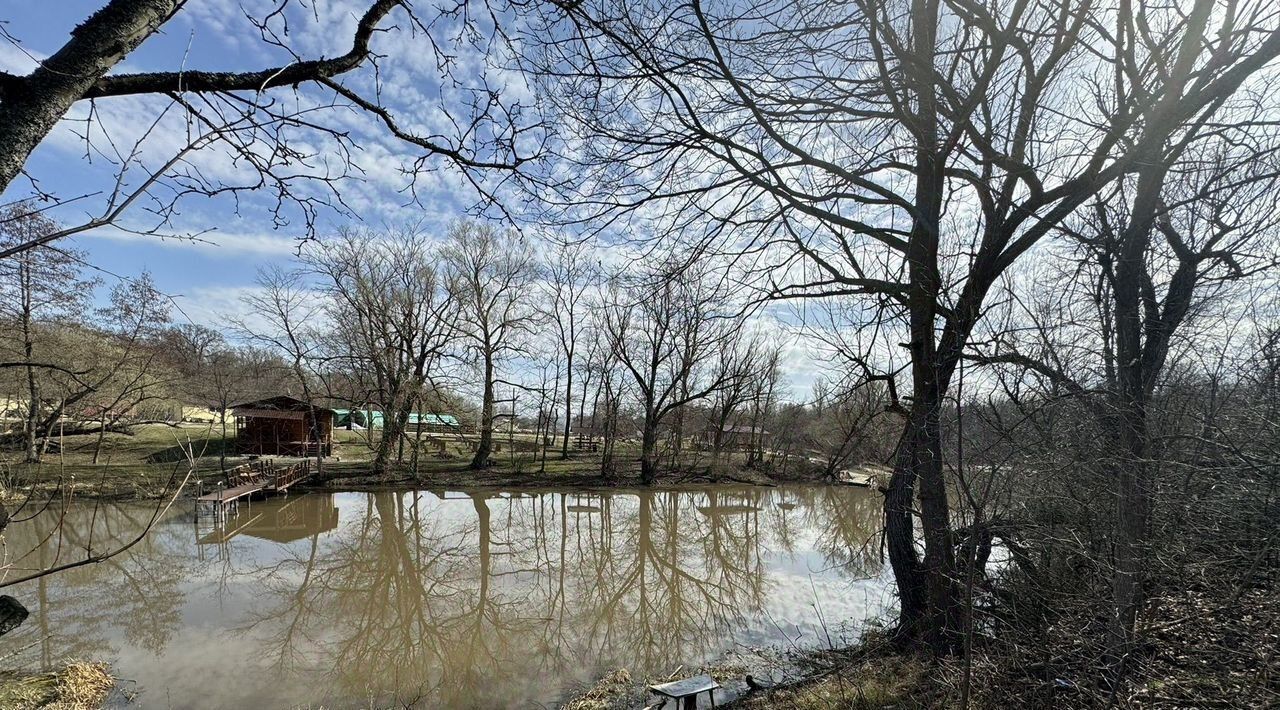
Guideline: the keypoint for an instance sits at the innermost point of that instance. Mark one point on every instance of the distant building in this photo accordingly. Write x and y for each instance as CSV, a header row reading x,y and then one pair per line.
x,y
434,423
732,437
352,418
283,426
374,419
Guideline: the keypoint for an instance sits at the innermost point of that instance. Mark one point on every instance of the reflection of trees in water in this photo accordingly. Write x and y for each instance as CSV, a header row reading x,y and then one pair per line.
x,y
484,601
399,600
417,600
75,613
848,524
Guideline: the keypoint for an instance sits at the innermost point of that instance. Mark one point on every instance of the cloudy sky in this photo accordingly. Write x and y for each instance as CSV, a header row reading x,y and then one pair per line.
x,y
387,181
236,235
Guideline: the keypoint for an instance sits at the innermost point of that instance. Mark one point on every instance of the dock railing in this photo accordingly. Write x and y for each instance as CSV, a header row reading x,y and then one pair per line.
x,y
252,478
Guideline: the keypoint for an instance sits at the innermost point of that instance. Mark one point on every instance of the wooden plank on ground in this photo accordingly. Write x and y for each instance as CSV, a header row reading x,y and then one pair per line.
x,y
687,687
231,494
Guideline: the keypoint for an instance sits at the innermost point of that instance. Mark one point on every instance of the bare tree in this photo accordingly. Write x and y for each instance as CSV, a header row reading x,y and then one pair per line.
x,y
134,318
216,373
666,327
766,381
393,316
489,273
897,151
288,321
847,423
744,363
95,374
1141,378
234,375
1164,244
37,287
570,273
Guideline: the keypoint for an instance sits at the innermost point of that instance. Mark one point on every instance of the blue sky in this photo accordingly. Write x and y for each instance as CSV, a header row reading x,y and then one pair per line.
x,y
207,278
236,237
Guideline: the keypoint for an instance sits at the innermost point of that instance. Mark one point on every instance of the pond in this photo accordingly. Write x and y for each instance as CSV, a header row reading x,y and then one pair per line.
x,y
444,599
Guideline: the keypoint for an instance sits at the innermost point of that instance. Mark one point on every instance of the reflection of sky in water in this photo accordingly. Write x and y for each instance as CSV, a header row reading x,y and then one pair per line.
x,y
358,598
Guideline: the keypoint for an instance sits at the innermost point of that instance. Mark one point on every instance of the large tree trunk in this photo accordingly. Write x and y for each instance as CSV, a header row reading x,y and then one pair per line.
x,y
393,426
608,428
929,598
568,407
649,451
717,436
485,446
28,350
33,412
899,530
759,413
717,445
677,434
30,109
1132,486
1133,511
301,374
222,448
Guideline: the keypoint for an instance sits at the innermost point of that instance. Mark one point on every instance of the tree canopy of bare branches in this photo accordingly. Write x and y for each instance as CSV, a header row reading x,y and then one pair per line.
x,y
907,152
489,274
283,130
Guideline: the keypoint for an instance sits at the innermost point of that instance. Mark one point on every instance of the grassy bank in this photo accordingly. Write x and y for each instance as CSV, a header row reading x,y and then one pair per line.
x,y
575,472
150,461
1209,639
76,686
1202,649
872,682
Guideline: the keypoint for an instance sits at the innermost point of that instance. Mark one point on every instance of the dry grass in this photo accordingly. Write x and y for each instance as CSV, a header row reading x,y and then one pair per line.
x,y
618,688
147,462
605,694
883,681
77,686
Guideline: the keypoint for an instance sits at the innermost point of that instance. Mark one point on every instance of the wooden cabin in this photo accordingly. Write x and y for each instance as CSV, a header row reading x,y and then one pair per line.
x,y
732,437
283,426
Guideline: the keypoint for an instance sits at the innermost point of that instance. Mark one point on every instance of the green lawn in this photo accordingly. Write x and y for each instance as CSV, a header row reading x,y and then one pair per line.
x,y
152,459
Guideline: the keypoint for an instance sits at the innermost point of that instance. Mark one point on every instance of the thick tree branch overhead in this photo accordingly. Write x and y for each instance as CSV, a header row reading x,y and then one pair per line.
x,y
480,129
31,105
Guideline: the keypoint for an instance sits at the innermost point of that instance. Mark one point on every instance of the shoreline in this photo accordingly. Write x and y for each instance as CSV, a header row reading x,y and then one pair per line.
x,y
107,482
150,461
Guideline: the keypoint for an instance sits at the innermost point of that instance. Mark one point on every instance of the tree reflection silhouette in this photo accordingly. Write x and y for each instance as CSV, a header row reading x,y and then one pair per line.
x,y
477,600
417,602
77,612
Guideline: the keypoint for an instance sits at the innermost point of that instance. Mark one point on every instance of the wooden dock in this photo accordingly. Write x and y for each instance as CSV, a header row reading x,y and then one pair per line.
x,y
254,478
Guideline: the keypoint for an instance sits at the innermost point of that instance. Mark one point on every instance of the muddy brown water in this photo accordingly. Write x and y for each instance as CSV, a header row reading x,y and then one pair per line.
x,y
435,599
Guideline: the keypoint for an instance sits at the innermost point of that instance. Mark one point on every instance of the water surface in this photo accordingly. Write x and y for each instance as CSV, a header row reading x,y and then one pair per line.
x,y
444,599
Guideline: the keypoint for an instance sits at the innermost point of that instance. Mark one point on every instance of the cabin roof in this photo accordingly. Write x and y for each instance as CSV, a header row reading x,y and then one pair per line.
x,y
282,403
727,429
441,419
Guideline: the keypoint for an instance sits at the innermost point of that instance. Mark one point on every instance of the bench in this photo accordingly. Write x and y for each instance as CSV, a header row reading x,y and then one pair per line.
x,y
685,692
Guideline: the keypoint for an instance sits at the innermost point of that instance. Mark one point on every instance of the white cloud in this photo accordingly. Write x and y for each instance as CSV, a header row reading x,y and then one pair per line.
x,y
219,243
217,307
18,60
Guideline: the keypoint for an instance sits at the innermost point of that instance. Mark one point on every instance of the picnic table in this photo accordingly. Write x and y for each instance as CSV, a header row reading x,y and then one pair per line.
x,y
685,692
